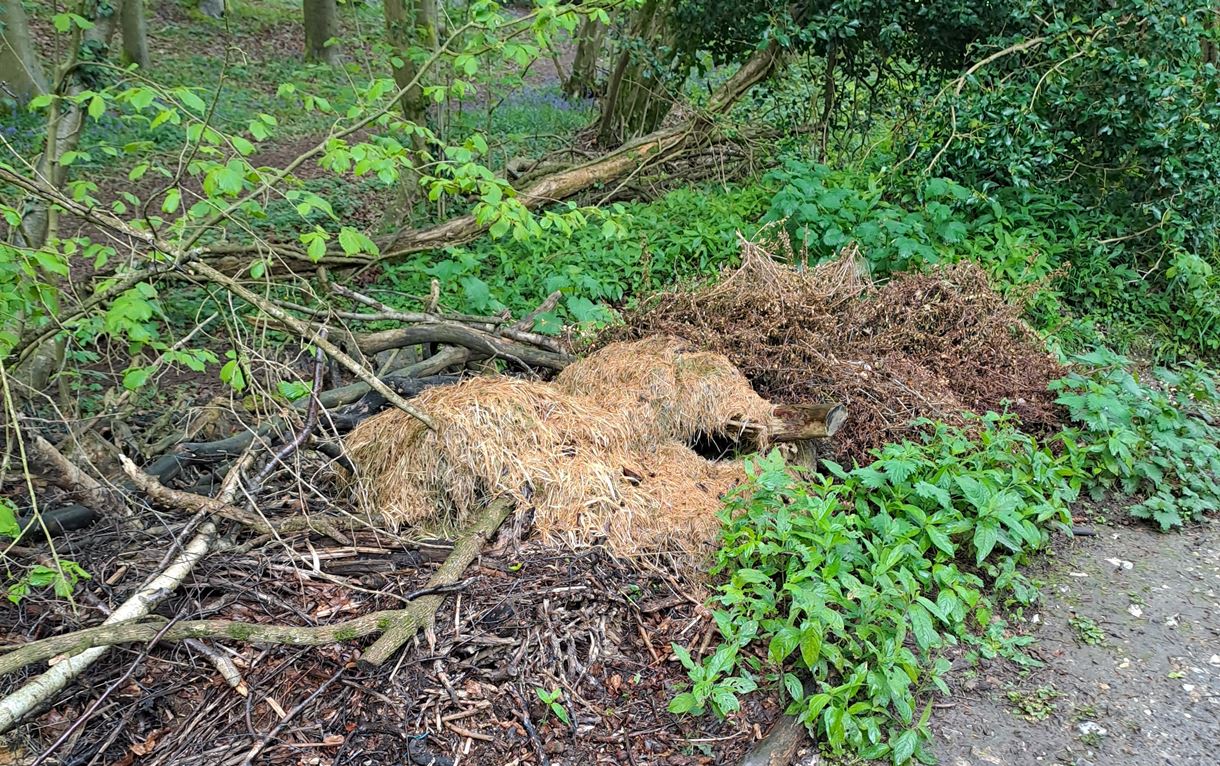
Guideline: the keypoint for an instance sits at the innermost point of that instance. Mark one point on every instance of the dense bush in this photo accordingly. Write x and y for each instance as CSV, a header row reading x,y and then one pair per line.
x,y
1108,108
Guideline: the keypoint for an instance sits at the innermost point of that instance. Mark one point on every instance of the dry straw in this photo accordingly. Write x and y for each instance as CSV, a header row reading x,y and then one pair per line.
x,y
598,454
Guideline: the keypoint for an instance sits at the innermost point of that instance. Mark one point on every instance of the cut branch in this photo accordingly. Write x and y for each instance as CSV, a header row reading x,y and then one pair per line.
x,y
318,338
422,613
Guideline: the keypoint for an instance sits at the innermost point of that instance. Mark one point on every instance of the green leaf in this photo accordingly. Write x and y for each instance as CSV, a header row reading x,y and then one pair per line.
x,y
921,625
9,527
136,377
172,199
904,746
317,249
811,645
97,107
293,390
351,241
940,539
794,687
683,656
683,703
190,100
985,537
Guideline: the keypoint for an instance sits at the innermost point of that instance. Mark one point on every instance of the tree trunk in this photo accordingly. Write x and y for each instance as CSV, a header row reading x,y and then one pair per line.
x,y
411,30
1211,43
321,24
135,34
21,75
65,122
643,86
213,8
582,83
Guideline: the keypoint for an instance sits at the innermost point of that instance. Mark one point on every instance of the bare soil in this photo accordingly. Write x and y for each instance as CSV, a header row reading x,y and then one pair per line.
x,y
1147,693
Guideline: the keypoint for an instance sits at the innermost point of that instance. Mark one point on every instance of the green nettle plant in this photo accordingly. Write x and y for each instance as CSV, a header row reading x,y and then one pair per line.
x,y
1155,437
844,589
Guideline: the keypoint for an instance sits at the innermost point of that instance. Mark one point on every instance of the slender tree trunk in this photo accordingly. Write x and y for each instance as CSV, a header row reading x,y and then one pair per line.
x,y
411,30
642,87
21,75
1211,43
213,8
65,122
321,24
828,94
589,38
135,33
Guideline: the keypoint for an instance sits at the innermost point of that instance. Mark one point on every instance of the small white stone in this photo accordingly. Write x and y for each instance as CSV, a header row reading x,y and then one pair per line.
x,y
1188,688
1215,660
1119,563
1078,574
1135,611
1092,727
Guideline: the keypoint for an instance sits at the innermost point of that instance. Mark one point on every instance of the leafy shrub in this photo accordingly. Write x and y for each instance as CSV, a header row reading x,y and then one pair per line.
x,y
824,209
1111,106
1151,437
832,576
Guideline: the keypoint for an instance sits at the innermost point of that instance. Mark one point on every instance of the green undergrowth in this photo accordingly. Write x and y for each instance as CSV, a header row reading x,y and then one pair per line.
x,y
1153,436
637,248
844,591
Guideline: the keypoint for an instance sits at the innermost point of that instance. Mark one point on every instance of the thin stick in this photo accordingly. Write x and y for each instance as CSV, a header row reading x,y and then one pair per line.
x,y
311,420
271,735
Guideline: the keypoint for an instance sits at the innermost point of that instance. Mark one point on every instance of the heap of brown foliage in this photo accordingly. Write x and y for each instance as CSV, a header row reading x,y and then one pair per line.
x,y
934,345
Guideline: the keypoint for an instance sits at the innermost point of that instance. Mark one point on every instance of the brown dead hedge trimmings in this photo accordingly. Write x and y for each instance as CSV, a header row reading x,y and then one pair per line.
x,y
932,345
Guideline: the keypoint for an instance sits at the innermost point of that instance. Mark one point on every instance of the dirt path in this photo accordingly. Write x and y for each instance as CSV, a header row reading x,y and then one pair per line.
x,y
1146,692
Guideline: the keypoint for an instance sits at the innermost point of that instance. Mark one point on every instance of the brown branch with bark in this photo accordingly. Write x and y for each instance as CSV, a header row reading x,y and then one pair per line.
x,y
397,626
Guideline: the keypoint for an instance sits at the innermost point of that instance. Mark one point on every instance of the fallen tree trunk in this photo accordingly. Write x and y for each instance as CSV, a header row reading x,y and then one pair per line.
x,y
143,631
422,613
779,747
799,422
623,162
490,346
